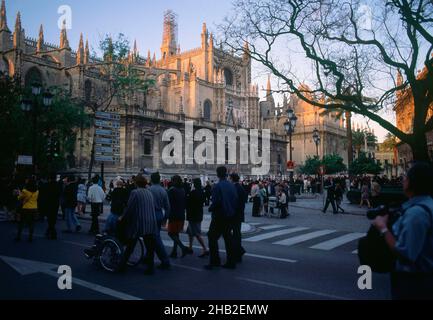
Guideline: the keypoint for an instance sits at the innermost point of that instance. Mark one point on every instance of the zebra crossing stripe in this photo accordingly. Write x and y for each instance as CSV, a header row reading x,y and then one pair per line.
x,y
273,234
304,237
339,241
272,226
3,216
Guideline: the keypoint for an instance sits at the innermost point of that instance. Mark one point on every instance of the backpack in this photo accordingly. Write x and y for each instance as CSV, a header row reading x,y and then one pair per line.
x,y
374,251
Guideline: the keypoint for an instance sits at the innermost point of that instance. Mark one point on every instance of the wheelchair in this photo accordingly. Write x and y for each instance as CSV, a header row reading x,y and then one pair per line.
x,y
107,252
274,208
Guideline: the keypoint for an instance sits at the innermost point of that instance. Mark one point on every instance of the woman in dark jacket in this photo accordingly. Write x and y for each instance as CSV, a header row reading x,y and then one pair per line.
x,y
176,218
194,215
119,199
48,204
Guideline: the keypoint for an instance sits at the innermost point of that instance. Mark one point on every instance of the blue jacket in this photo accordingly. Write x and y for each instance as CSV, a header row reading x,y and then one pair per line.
x,y
414,233
224,200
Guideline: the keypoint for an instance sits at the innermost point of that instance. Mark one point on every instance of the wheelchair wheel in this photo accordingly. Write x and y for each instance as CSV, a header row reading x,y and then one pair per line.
x,y
137,255
111,255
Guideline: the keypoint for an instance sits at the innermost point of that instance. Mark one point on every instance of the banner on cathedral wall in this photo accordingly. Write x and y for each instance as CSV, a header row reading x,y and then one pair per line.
x,y
107,137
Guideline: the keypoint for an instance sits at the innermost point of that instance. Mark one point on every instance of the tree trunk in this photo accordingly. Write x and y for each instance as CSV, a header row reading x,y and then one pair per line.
x,y
419,148
349,137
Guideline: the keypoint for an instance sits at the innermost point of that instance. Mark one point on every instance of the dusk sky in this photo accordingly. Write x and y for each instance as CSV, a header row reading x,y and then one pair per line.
x,y
137,19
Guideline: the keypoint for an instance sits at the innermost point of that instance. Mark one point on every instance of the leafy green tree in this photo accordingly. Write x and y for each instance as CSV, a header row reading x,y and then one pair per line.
x,y
389,143
311,166
364,165
10,116
333,163
121,80
25,134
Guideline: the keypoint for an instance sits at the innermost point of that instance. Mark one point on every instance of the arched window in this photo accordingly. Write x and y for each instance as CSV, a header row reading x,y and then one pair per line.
x,y
87,90
228,76
33,76
207,112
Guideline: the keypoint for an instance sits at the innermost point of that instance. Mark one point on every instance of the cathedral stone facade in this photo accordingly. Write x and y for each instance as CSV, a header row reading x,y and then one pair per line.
x,y
206,85
332,131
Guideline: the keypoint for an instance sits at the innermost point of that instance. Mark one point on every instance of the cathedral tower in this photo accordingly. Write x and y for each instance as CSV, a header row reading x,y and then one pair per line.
x,y
169,37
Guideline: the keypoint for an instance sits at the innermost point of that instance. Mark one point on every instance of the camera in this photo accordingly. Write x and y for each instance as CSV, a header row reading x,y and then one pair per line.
x,y
383,210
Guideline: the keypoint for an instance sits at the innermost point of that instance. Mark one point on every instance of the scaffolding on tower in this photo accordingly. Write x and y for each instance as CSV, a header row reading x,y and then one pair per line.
x,y
170,33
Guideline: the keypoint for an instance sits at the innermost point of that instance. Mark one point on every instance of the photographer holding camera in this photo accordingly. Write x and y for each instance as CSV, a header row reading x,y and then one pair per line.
x,y
411,239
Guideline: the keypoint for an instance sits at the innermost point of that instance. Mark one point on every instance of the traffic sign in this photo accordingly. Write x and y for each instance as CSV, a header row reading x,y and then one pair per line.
x,y
107,115
290,165
107,124
107,141
107,133
25,160
107,137
100,149
103,158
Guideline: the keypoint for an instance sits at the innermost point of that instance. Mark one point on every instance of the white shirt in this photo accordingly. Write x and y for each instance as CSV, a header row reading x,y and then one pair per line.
x,y
96,194
282,198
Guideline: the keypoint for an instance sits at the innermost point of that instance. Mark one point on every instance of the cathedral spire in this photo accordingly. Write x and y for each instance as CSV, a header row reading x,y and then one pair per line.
x,y
204,36
135,49
86,53
246,51
18,26
80,51
211,41
285,102
64,43
268,87
148,60
18,38
40,44
169,37
3,18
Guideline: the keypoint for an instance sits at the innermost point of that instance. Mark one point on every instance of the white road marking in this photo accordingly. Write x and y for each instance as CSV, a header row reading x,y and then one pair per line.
x,y
339,241
26,267
255,223
272,226
304,237
275,285
274,234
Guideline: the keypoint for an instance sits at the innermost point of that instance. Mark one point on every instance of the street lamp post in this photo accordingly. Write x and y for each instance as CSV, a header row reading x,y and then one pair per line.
x,y
289,127
34,108
316,138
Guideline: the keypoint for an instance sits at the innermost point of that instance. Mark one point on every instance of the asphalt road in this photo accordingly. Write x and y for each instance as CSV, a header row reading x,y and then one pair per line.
x,y
284,261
